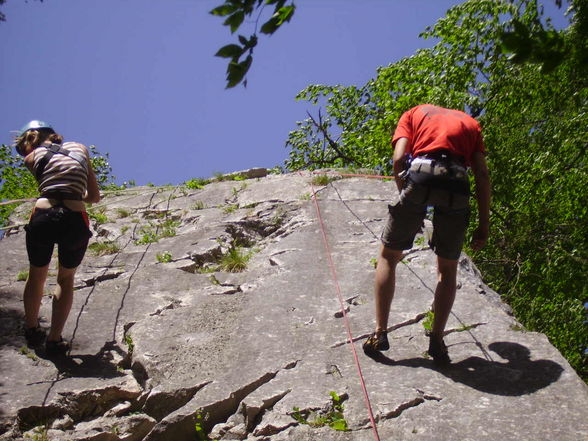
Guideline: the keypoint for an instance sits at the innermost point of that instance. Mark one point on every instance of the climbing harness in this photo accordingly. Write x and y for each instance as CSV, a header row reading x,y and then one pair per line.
x,y
441,170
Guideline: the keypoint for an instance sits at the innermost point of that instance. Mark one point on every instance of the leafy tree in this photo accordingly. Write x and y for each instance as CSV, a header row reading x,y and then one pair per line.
x,y
540,43
16,182
241,54
453,73
534,122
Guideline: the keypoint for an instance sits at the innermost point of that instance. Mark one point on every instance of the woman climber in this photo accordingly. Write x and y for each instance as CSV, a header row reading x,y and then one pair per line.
x,y
66,180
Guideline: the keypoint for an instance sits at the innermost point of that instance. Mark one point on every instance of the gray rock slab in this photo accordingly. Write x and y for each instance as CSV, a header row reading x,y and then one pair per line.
x,y
161,348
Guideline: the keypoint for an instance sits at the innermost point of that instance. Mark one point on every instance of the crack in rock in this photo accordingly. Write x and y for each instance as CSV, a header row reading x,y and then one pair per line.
x,y
227,290
79,405
160,214
351,301
408,322
101,278
174,304
318,416
254,412
180,425
128,428
211,254
463,328
417,401
245,233
160,404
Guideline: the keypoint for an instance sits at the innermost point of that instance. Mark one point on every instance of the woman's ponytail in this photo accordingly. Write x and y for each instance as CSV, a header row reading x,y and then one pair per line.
x,y
34,138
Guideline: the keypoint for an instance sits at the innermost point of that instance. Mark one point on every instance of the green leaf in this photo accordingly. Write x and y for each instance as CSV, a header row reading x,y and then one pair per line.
x,y
237,71
225,9
270,26
340,425
235,20
286,13
282,15
248,43
510,41
230,51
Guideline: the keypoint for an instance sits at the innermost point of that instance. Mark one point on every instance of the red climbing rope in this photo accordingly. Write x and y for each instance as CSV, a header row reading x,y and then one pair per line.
x,y
357,175
345,318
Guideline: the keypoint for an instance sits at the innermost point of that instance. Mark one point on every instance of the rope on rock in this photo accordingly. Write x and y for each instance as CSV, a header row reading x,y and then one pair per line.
x,y
345,318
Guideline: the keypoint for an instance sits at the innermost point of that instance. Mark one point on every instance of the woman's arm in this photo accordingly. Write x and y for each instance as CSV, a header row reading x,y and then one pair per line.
x,y
92,191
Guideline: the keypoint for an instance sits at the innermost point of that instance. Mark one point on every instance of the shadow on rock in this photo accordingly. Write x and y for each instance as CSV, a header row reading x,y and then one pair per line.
x,y
11,320
518,376
101,365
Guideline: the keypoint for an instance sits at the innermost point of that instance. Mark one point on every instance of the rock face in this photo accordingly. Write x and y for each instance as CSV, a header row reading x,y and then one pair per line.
x,y
170,344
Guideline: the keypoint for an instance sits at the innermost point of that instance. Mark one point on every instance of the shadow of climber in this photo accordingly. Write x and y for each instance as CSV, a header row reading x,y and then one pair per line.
x,y
518,376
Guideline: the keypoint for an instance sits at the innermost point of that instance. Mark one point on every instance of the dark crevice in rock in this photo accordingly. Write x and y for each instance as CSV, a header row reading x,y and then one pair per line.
x,y
181,427
245,233
160,404
102,277
401,408
140,373
417,401
228,290
409,322
201,259
241,235
270,430
160,214
340,313
174,304
78,406
351,301
221,411
463,328
427,396
33,416
317,416
254,414
262,228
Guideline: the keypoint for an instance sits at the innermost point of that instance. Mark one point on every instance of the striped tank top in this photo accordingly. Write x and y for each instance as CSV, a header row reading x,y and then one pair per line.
x,y
63,174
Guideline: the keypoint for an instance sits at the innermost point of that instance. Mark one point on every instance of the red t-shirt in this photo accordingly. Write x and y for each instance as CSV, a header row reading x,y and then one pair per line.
x,y
430,128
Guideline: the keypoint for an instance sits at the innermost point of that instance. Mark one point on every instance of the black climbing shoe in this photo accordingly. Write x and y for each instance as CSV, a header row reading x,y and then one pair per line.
x,y
376,342
35,336
57,348
438,350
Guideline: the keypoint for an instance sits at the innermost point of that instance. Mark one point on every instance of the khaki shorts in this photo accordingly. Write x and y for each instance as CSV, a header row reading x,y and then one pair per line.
x,y
450,220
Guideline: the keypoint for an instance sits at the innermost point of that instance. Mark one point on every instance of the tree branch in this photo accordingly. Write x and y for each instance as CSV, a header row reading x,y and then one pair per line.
x,y
319,125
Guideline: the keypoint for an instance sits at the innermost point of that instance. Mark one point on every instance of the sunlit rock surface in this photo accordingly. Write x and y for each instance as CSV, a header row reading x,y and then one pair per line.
x,y
170,344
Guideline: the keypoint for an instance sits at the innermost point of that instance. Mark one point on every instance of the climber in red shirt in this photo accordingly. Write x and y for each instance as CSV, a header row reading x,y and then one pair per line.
x,y
433,147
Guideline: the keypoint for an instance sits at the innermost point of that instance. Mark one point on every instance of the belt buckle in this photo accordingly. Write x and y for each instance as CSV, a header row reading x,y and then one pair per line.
x,y
57,213
439,170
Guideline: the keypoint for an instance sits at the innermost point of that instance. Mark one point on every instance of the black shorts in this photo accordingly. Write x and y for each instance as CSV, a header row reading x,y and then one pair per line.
x,y
57,225
450,220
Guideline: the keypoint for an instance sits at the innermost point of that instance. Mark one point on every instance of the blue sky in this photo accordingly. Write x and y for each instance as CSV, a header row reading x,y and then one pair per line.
x,y
138,79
